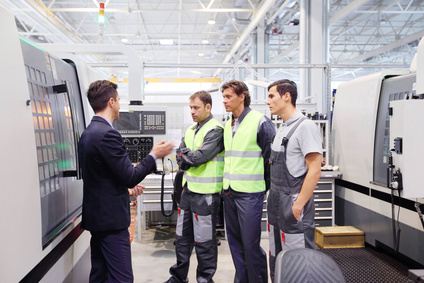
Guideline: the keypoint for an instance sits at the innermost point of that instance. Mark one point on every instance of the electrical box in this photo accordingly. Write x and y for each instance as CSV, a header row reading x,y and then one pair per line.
x,y
406,143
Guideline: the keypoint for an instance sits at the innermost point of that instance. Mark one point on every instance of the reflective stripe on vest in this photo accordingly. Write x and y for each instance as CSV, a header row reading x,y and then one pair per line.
x,y
206,178
244,164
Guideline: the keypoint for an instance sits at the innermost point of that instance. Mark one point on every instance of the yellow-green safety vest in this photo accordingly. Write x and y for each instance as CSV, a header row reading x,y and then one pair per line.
x,y
244,164
206,178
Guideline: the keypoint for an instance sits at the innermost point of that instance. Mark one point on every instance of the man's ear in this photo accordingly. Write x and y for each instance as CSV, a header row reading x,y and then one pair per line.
x,y
287,96
111,102
208,107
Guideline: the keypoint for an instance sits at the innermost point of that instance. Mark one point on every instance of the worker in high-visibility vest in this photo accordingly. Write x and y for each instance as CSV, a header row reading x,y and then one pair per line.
x,y
201,156
296,155
247,139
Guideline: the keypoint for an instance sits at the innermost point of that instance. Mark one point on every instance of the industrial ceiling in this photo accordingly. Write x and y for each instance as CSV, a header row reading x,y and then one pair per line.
x,y
193,38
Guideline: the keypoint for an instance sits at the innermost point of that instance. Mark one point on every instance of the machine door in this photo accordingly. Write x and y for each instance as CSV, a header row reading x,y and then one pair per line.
x,y
58,123
395,88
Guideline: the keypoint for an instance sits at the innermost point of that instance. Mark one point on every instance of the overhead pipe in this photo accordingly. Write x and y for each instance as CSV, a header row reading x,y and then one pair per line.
x,y
258,16
254,22
238,20
282,7
246,49
228,25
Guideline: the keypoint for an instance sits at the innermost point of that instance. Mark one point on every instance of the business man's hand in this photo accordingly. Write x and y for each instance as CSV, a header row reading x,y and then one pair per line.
x,y
162,149
136,191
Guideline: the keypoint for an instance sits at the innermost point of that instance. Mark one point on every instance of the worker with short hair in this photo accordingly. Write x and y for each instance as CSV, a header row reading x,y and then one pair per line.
x,y
296,155
247,138
201,156
107,174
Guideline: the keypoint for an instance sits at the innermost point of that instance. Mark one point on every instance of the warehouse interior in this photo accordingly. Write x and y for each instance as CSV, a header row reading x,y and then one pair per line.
x,y
359,70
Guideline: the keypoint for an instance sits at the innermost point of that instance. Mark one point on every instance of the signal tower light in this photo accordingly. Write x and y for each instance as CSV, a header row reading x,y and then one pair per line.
x,y
102,13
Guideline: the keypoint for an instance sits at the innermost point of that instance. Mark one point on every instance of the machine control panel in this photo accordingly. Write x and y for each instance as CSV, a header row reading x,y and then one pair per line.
x,y
138,147
141,123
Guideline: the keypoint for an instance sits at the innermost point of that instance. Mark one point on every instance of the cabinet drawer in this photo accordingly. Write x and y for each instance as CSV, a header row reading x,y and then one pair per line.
x,y
156,195
323,195
154,205
319,212
264,225
324,186
323,203
264,214
323,222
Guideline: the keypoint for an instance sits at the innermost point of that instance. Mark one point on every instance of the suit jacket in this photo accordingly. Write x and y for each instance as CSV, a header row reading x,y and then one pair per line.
x,y
107,173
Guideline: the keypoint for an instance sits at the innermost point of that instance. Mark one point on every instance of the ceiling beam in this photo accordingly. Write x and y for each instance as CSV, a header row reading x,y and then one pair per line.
x,y
124,64
46,15
278,12
37,21
403,41
351,7
127,10
210,4
388,12
257,16
285,52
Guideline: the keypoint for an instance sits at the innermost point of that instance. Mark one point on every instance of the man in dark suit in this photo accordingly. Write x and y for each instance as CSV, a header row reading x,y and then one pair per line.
x,y
108,174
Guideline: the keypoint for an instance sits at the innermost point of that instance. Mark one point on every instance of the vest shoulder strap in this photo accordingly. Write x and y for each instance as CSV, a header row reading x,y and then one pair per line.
x,y
290,133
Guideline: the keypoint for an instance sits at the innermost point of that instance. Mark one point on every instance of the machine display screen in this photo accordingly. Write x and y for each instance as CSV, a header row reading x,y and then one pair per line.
x,y
141,122
128,123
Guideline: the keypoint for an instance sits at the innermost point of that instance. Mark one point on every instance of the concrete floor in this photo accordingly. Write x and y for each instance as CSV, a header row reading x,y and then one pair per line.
x,y
155,254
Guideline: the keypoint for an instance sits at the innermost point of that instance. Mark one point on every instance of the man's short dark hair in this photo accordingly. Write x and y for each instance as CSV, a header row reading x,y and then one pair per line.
x,y
284,86
204,96
239,88
99,93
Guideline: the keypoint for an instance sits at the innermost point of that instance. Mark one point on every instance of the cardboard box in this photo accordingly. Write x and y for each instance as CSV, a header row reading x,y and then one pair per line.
x,y
338,237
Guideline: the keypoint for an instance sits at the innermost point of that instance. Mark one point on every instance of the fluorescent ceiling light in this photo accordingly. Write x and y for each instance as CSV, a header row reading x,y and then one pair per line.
x,y
211,21
124,40
259,83
205,41
201,54
166,41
